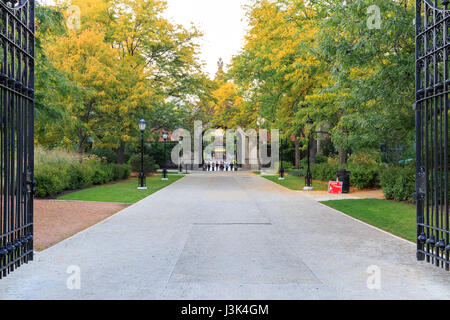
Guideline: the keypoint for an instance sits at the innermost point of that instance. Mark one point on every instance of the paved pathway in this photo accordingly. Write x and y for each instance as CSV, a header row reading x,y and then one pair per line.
x,y
228,236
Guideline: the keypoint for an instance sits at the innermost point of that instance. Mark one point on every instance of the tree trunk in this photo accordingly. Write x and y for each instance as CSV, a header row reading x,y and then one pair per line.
x,y
120,153
342,156
313,151
297,154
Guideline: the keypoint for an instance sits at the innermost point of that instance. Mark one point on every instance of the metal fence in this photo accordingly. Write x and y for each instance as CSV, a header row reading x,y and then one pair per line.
x,y
432,89
16,133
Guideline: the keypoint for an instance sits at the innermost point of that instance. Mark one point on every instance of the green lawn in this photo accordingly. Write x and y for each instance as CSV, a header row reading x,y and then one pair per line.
x,y
296,183
123,192
394,217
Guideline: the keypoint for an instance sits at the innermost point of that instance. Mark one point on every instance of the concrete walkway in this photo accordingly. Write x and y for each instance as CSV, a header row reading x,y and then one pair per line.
x,y
228,236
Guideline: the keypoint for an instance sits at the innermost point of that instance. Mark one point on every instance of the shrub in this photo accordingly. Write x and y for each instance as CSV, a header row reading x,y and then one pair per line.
x,y
334,162
120,171
364,176
398,183
364,170
80,176
149,164
323,172
50,180
57,172
365,158
104,153
321,159
102,174
287,165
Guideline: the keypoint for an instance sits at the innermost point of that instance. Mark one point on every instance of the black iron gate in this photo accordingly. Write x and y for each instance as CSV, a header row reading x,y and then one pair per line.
x,y
432,90
16,133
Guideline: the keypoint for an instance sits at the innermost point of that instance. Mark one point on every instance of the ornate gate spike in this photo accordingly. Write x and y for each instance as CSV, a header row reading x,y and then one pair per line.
x,y
431,241
422,238
440,244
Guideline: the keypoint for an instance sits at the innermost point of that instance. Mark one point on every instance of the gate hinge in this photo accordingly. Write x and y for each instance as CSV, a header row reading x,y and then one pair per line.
x,y
31,183
33,187
421,184
420,196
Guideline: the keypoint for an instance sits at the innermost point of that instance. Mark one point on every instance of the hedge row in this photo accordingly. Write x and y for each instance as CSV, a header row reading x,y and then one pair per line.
x,y
53,179
361,177
399,183
296,173
324,171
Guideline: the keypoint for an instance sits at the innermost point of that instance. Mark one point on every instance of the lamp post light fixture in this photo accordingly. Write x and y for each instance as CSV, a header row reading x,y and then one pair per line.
x,y
165,135
308,178
142,179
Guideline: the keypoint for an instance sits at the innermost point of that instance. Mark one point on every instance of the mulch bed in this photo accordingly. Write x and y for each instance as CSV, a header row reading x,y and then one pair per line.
x,y
55,221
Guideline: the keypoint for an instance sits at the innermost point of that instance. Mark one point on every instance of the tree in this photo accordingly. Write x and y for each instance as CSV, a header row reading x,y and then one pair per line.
x,y
279,68
52,86
91,64
126,62
319,60
372,72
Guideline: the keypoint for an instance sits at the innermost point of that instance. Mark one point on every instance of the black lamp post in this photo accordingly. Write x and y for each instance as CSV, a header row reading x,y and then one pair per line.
x,y
142,181
281,162
236,159
203,155
165,135
308,178
179,164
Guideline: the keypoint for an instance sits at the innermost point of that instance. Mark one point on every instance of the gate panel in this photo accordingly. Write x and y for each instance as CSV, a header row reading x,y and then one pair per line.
x,y
16,133
432,89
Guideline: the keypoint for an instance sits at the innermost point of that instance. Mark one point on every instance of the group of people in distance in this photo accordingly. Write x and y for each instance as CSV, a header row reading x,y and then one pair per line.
x,y
224,166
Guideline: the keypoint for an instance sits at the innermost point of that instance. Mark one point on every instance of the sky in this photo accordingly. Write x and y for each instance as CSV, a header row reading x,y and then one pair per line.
x,y
222,23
